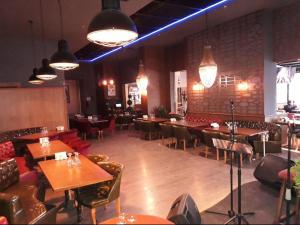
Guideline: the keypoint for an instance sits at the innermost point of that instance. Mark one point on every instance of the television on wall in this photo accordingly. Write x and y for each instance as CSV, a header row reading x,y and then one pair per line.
x,y
118,105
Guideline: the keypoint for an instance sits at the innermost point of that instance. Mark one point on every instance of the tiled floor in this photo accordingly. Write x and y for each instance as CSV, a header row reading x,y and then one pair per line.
x,y
156,175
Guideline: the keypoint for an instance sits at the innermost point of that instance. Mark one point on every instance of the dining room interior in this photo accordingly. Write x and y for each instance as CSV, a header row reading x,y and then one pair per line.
x,y
150,112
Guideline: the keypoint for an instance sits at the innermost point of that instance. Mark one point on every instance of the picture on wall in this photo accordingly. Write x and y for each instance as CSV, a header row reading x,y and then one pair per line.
x,y
111,90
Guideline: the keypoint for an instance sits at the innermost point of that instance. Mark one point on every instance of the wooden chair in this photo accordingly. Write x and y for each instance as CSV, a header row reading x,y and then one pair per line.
x,y
167,134
98,158
183,135
101,194
208,141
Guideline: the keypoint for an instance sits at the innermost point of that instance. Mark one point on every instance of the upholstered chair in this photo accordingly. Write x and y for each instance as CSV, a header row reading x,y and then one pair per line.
x,y
101,194
167,134
183,135
98,158
148,130
18,197
207,137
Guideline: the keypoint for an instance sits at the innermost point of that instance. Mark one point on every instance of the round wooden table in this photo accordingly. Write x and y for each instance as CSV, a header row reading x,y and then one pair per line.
x,y
139,219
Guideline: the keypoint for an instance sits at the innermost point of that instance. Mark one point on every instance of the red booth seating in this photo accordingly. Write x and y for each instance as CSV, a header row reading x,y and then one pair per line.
x,y
71,138
3,220
7,151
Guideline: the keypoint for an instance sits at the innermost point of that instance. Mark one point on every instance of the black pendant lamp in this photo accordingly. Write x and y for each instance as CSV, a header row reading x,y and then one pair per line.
x,y
45,72
33,79
63,59
111,27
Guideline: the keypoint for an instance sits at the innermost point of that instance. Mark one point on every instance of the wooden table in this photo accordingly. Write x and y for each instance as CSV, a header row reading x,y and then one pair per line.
x,y
153,120
38,152
139,219
37,136
238,131
188,124
62,177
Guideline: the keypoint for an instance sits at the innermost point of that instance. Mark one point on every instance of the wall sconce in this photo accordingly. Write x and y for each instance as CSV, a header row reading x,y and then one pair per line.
x,y
111,82
104,82
243,86
198,87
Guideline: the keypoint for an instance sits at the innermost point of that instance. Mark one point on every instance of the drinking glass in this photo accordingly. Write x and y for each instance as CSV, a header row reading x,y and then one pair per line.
x,y
76,159
70,160
122,218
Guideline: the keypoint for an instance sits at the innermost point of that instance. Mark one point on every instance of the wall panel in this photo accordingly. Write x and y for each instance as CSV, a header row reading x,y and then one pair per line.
x,y
30,107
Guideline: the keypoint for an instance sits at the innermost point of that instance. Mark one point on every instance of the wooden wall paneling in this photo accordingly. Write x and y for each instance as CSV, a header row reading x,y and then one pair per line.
x,y
31,107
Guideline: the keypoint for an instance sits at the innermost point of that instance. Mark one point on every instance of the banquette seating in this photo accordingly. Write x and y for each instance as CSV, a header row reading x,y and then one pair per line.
x,y
19,197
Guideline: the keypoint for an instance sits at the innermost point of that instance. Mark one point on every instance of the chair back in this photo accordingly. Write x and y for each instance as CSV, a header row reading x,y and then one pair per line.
x,y
7,150
166,130
238,138
9,173
116,170
98,158
208,136
84,126
137,125
112,124
181,132
147,126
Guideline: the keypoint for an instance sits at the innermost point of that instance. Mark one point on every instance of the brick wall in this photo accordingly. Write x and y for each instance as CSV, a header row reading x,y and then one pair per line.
x,y
238,48
287,33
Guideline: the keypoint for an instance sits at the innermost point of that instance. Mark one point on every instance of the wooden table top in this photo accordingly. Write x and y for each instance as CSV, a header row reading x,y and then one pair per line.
x,y
139,219
154,120
62,177
188,124
238,131
37,136
38,152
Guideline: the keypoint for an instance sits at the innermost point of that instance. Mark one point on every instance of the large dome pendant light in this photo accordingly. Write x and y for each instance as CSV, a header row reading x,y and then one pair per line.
x,y
63,59
111,27
208,68
33,79
142,79
45,72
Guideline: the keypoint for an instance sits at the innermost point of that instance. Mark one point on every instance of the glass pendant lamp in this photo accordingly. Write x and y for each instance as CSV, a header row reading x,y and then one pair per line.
x,y
208,67
142,79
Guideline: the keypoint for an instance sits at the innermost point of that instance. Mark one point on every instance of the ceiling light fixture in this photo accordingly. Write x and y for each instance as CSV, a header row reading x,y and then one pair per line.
x,y
208,67
157,31
142,79
111,27
63,59
45,72
33,79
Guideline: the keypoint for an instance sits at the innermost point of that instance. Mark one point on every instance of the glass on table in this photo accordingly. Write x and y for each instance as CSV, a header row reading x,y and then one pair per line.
x,y
70,160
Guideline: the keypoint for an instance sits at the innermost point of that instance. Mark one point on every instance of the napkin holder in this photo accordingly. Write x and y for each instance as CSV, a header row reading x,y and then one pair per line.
x,y
214,125
61,156
145,117
60,128
173,119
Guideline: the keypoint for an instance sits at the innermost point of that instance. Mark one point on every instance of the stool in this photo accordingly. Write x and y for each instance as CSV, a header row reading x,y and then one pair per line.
x,y
283,177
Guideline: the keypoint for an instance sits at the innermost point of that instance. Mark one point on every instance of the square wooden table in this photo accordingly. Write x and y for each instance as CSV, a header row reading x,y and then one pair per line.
x,y
37,136
38,152
239,131
62,177
187,124
153,120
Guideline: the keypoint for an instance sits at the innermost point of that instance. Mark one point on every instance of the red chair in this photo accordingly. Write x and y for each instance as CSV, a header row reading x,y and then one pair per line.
x,y
112,125
7,151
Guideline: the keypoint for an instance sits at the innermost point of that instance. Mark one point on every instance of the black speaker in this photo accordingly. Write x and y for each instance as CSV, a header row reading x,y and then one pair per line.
x,y
184,211
267,170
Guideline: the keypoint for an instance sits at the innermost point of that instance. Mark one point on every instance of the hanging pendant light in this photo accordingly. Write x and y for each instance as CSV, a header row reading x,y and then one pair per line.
x,y
45,72
33,79
111,27
208,67
142,79
63,59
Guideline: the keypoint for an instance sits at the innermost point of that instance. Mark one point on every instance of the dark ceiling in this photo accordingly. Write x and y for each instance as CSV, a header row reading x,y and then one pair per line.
x,y
156,14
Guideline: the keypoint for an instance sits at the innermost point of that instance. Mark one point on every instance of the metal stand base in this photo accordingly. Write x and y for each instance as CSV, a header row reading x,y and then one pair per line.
x,y
239,218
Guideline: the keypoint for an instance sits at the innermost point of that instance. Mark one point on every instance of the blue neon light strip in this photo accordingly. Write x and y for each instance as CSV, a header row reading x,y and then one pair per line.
x,y
155,32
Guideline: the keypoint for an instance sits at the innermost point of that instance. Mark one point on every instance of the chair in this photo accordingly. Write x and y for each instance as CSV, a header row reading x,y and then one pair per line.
x,y
86,129
7,151
238,138
148,129
208,142
101,194
98,158
183,135
111,126
167,134
18,197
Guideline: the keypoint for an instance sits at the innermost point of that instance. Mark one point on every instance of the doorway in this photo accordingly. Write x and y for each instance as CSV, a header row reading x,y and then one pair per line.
x,y
178,92
72,97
